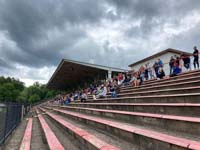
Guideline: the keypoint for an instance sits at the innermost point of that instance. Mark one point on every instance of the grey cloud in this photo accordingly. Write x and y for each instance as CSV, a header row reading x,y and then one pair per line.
x,y
188,40
44,32
28,23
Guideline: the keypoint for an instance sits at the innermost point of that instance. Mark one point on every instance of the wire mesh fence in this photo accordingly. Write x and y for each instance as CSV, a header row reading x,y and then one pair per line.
x,y
11,115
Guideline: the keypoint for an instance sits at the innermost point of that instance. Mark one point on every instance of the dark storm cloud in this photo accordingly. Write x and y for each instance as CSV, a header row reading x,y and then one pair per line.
x,y
28,24
154,13
187,40
41,33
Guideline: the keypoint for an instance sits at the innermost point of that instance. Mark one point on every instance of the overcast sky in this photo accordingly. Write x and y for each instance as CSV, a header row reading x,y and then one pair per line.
x,y
36,34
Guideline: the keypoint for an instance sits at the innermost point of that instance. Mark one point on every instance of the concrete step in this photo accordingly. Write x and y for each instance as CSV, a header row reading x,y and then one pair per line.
x,y
13,142
144,138
183,90
88,140
100,134
165,82
64,138
38,141
168,122
188,109
50,137
184,74
26,141
172,98
163,86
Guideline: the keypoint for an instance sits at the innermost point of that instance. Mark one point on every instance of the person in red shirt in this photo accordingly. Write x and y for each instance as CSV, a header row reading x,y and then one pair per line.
x,y
120,78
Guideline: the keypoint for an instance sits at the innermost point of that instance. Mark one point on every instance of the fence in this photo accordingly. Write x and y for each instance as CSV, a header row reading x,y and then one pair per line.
x,y
11,115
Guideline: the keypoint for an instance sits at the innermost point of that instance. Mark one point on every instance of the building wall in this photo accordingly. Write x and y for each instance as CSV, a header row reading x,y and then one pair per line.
x,y
165,59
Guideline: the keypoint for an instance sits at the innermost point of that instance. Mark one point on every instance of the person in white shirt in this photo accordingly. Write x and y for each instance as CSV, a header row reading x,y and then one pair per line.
x,y
102,92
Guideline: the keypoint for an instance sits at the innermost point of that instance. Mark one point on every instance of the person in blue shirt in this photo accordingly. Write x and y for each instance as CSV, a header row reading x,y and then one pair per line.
x,y
176,71
67,100
160,63
156,68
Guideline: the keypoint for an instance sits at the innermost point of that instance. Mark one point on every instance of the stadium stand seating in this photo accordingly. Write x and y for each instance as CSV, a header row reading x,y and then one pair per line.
x,y
158,115
26,142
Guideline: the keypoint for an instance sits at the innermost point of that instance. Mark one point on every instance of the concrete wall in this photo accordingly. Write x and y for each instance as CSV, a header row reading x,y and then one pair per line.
x,y
165,59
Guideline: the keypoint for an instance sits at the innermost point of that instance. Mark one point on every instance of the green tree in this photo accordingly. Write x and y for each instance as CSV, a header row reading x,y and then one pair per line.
x,y
10,89
14,90
34,98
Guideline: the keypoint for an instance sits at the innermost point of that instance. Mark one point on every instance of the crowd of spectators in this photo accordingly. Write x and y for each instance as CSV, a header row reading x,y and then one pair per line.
x,y
134,78
176,65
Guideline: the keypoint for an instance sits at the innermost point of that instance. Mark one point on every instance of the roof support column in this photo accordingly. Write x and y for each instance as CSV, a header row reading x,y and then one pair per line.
x,y
109,74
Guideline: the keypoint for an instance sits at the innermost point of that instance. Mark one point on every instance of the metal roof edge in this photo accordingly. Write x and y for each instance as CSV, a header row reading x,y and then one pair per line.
x,y
158,54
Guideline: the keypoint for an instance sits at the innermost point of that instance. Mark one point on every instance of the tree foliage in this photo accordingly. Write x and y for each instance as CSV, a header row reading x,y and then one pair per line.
x,y
14,90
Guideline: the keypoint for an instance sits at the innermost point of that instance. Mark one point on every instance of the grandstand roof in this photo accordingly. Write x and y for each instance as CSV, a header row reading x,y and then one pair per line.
x,y
159,54
70,73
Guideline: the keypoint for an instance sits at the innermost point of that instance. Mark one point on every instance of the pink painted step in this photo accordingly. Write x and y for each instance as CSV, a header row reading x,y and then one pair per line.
x,y
182,142
52,140
159,116
99,144
26,142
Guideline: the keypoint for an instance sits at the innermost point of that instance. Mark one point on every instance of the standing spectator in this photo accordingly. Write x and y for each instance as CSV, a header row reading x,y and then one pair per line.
x,y
142,73
186,61
196,57
156,67
150,71
160,63
171,65
146,72
177,61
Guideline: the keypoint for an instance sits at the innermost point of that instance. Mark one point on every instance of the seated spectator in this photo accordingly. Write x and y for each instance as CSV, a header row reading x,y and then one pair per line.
x,y
113,91
115,78
133,78
120,78
161,73
108,85
83,96
76,95
126,79
102,92
138,79
177,68
176,71
67,100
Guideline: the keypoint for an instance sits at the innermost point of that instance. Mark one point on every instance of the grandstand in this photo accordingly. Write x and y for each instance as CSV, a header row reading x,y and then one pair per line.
x,y
70,73
158,115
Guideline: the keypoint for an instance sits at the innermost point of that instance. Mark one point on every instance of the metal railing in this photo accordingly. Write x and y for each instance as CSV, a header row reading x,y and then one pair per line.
x,y
11,115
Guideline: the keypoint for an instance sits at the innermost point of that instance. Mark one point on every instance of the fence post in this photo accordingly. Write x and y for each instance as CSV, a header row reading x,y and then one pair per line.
x,y
22,112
